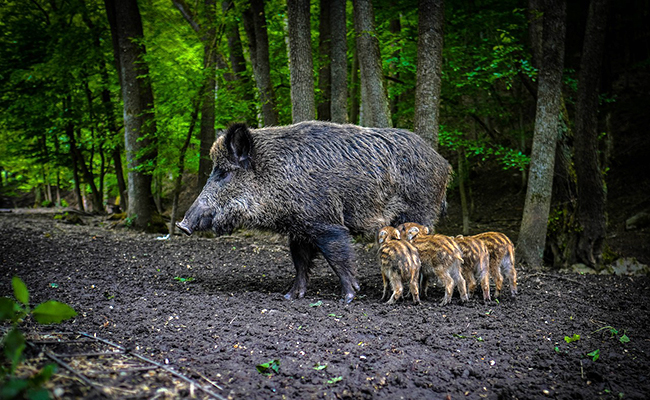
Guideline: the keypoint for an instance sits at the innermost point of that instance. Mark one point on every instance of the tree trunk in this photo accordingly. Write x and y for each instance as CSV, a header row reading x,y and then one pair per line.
x,y
139,123
395,28
591,193
255,26
355,89
325,70
532,235
69,130
429,70
181,170
462,179
238,62
535,29
339,66
301,63
374,103
207,134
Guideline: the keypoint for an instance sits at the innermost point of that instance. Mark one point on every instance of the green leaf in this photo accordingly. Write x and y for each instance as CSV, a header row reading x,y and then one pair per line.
x,y
38,394
12,388
269,367
7,311
20,290
319,366
334,380
573,338
594,354
624,339
44,375
53,312
14,344
316,304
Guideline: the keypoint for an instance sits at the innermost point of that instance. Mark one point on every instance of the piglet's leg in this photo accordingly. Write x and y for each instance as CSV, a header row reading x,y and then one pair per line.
x,y
334,241
302,254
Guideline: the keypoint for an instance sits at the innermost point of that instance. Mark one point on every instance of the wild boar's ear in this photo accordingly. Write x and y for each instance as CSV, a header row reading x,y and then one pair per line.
x,y
239,143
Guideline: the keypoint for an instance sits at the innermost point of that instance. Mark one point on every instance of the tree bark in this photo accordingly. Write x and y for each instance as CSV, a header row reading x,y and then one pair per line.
x,y
429,70
591,191
255,26
535,29
325,71
339,62
301,64
375,110
207,133
238,61
534,225
139,123
355,89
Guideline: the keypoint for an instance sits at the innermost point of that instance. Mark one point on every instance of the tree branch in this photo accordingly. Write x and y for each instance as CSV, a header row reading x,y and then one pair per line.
x,y
185,12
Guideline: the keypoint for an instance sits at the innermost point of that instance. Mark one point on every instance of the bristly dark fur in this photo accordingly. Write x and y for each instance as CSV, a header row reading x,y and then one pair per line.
x,y
319,183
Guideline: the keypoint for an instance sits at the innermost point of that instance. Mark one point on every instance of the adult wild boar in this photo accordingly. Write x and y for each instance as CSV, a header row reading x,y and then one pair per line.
x,y
319,183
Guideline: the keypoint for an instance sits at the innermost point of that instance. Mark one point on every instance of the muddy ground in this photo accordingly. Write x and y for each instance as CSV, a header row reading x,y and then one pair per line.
x,y
214,308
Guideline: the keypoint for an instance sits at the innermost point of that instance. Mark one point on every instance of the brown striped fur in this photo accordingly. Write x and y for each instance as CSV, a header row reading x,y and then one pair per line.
x,y
475,264
440,256
399,262
502,260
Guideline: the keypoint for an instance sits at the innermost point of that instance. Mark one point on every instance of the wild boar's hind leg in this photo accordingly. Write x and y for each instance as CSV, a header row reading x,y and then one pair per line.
x,y
302,254
334,242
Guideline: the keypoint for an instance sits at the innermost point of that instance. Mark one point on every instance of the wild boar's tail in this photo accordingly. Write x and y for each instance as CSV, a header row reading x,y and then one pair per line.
x,y
444,205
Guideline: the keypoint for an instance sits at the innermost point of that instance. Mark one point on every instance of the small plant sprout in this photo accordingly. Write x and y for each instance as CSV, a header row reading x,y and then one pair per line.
x,y
13,343
573,338
334,380
316,304
269,367
594,354
180,279
319,366
613,332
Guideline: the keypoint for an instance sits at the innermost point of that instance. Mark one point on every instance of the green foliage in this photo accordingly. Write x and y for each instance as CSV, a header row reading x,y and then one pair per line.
x,y
595,355
269,367
13,343
483,149
570,339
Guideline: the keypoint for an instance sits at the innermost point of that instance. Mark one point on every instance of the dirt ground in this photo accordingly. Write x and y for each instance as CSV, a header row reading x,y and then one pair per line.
x,y
214,308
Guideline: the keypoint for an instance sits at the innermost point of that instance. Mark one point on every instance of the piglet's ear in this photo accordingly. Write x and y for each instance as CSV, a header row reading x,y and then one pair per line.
x,y
426,230
397,235
239,143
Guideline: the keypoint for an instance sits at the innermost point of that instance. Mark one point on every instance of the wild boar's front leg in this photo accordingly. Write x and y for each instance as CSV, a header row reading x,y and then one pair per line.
x,y
302,255
334,241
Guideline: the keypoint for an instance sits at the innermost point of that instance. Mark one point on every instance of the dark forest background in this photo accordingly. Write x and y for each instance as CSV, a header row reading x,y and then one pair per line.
x,y
113,105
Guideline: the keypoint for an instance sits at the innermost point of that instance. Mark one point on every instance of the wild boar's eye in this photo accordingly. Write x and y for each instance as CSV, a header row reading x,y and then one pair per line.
x,y
221,175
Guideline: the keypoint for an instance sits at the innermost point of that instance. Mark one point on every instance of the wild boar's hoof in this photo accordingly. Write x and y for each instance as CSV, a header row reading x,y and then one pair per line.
x,y
348,297
184,228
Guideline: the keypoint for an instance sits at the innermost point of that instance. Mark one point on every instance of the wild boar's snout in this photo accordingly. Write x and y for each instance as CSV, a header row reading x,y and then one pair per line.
x,y
182,225
197,218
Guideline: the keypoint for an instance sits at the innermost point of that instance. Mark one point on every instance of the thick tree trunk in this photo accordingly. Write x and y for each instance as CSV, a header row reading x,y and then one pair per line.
x,y
339,65
301,63
325,70
139,123
429,70
374,103
532,235
255,26
591,192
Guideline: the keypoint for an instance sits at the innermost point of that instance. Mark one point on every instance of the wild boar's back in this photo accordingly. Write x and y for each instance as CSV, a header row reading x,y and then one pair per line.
x,y
363,178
